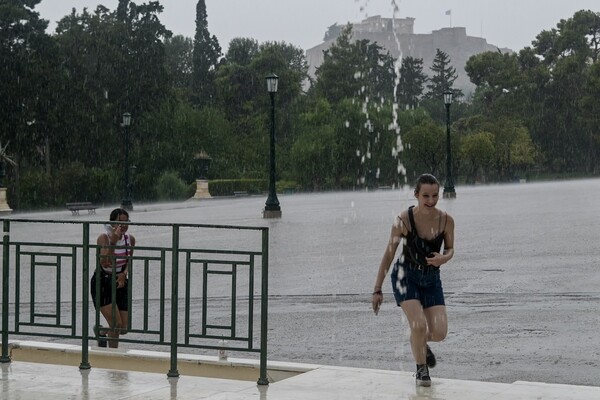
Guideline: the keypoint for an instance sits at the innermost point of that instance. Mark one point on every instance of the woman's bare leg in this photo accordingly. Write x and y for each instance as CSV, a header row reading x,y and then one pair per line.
x,y
418,328
115,325
437,323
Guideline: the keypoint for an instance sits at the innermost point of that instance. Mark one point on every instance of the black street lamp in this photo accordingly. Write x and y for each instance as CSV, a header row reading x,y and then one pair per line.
x,y
126,202
449,192
272,209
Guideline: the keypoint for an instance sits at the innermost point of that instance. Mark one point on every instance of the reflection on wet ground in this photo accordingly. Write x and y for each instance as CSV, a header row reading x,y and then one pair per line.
x,y
520,290
30,381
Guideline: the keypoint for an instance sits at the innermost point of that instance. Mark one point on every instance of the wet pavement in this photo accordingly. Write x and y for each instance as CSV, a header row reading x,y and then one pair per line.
x,y
522,290
30,381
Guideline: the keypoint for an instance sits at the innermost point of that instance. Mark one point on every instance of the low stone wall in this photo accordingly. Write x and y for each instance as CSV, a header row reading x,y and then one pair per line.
x,y
151,361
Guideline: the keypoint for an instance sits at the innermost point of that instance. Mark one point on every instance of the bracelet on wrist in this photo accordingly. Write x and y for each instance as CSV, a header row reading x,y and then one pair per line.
x,y
378,292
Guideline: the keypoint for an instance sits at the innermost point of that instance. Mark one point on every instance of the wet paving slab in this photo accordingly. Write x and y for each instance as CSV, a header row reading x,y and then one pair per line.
x,y
32,381
522,290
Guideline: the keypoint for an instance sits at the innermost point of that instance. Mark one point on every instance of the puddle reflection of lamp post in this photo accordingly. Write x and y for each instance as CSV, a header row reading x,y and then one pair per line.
x,y
126,202
449,192
272,208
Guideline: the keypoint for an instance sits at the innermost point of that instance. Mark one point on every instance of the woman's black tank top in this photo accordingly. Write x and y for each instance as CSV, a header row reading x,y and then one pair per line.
x,y
416,248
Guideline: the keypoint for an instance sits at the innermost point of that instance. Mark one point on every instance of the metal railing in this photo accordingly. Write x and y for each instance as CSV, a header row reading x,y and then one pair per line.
x,y
46,289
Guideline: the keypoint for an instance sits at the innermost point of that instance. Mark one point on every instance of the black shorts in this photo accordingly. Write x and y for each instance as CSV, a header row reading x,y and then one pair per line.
x,y
106,292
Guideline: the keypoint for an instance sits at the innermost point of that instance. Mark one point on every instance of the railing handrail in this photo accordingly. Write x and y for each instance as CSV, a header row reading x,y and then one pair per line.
x,y
163,224
82,270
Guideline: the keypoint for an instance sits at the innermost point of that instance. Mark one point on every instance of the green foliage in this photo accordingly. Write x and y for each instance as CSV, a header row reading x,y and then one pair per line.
x,y
513,149
78,183
355,69
411,84
477,154
179,58
444,75
425,150
73,183
205,57
35,191
63,97
496,75
170,186
287,187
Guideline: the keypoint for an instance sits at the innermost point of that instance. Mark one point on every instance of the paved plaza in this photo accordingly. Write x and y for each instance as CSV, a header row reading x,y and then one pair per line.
x,y
522,295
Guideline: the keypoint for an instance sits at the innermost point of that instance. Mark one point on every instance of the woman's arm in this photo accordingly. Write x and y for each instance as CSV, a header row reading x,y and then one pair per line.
x,y
448,241
122,276
106,250
130,252
398,231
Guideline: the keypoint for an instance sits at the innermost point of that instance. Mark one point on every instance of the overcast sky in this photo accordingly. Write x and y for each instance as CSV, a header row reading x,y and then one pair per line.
x,y
504,23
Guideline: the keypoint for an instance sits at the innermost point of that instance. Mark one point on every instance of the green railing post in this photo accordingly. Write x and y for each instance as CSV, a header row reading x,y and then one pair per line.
x,y
85,362
5,287
173,373
264,308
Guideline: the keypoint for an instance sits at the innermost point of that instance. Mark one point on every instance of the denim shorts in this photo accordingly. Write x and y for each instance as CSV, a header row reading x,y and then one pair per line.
x,y
411,282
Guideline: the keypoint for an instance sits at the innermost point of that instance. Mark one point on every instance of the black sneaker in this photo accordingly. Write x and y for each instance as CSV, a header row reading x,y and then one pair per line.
x,y
422,375
430,358
101,337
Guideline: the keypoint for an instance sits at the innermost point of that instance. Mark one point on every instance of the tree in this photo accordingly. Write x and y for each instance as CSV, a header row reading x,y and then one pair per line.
x,y
110,66
206,56
411,82
590,116
566,52
425,149
496,75
444,75
179,58
357,78
26,61
313,151
477,156
578,36
355,69
513,149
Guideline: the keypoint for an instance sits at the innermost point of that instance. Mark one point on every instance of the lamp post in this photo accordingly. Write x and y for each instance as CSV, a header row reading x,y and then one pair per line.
x,y
126,202
272,209
449,192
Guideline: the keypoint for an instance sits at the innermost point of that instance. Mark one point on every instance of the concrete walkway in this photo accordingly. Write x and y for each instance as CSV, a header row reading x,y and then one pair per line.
x,y
33,381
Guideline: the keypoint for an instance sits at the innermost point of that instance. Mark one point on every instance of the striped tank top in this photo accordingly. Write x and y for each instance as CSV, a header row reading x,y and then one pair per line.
x,y
122,251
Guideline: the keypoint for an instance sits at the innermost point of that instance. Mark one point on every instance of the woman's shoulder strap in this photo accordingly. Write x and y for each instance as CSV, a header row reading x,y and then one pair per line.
x,y
411,219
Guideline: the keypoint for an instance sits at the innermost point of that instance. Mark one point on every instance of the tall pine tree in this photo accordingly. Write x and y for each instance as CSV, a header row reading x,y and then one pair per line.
x,y
444,75
411,82
205,58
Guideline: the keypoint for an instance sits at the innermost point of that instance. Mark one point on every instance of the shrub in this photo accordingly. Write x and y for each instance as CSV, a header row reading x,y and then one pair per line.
x,y
171,187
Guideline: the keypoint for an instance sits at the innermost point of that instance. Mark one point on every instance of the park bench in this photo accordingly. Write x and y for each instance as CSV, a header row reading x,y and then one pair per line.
x,y
240,193
82,205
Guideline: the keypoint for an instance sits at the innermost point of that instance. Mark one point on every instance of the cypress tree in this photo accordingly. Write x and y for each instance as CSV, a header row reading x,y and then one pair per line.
x,y
205,58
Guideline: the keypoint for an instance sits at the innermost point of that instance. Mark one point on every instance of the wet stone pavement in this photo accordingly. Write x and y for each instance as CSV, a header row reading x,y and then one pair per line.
x,y
523,290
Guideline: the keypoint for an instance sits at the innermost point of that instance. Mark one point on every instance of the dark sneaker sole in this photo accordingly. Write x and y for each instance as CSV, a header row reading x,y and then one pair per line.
x,y
423,383
430,358
101,337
